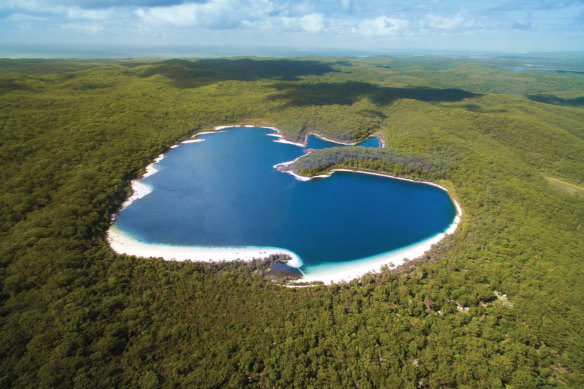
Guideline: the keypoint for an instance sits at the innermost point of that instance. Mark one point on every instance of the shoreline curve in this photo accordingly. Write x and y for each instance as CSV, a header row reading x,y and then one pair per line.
x,y
123,243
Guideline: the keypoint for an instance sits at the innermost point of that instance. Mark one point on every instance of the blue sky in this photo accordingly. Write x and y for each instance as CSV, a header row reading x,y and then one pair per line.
x,y
237,27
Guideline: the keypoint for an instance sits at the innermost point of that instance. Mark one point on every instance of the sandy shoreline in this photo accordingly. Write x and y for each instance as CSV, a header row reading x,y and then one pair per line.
x,y
345,272
309,134
123,243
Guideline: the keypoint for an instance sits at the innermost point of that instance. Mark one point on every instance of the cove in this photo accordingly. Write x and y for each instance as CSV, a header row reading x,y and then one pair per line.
x,y
221,190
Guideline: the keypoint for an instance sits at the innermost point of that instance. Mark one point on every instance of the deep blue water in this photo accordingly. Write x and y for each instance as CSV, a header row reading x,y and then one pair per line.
x,y
225,192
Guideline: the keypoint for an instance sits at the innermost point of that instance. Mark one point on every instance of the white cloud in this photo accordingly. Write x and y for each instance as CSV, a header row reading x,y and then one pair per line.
x,y
382,26
100,14
178,15
446,23
218,14
312,23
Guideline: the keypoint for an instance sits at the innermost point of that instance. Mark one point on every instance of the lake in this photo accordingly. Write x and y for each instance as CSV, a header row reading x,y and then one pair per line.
x,y
224,191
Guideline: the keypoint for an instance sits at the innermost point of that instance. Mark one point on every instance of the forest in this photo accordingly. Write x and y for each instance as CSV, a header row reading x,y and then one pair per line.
x,y
497,304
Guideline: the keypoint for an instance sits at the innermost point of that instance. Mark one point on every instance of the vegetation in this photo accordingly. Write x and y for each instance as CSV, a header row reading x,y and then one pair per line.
x,y
432,166
74,314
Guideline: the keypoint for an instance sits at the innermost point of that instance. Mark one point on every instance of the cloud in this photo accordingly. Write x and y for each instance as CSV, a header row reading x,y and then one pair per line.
x,y
179,15
215,14
382,26
312,23
92,14
446,23
279,22
189,14
229,14
86,4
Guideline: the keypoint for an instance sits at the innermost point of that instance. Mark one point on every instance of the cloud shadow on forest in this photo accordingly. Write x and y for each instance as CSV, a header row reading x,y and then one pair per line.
x,y
12,85
555,100
192,74
347,93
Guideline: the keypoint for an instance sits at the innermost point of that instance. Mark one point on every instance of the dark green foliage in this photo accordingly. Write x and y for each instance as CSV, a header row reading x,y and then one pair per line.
x,y
74,314
381,160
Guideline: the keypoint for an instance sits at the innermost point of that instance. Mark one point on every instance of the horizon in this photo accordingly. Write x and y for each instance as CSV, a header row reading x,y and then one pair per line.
x,y
121,53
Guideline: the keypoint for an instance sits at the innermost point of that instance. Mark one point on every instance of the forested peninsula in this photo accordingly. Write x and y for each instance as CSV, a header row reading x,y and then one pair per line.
x,y
497,304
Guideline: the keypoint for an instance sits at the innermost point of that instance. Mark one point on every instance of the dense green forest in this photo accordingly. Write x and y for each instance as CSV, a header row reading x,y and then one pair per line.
x,y
73,134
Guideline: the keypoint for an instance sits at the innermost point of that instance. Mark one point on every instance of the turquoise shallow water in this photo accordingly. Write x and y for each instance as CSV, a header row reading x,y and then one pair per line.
x,y
225,192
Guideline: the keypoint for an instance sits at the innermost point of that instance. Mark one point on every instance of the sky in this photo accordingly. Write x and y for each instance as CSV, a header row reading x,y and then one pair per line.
x,y
125,28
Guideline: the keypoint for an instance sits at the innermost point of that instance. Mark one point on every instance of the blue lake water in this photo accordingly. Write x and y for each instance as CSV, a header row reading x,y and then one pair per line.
x,y
224,191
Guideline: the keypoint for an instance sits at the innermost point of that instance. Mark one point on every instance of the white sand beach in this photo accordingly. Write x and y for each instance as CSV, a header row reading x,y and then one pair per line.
x,y
219,128
192,141
139,190
151,169
345,272
123,243
305,143
281,138
205,132
308,134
